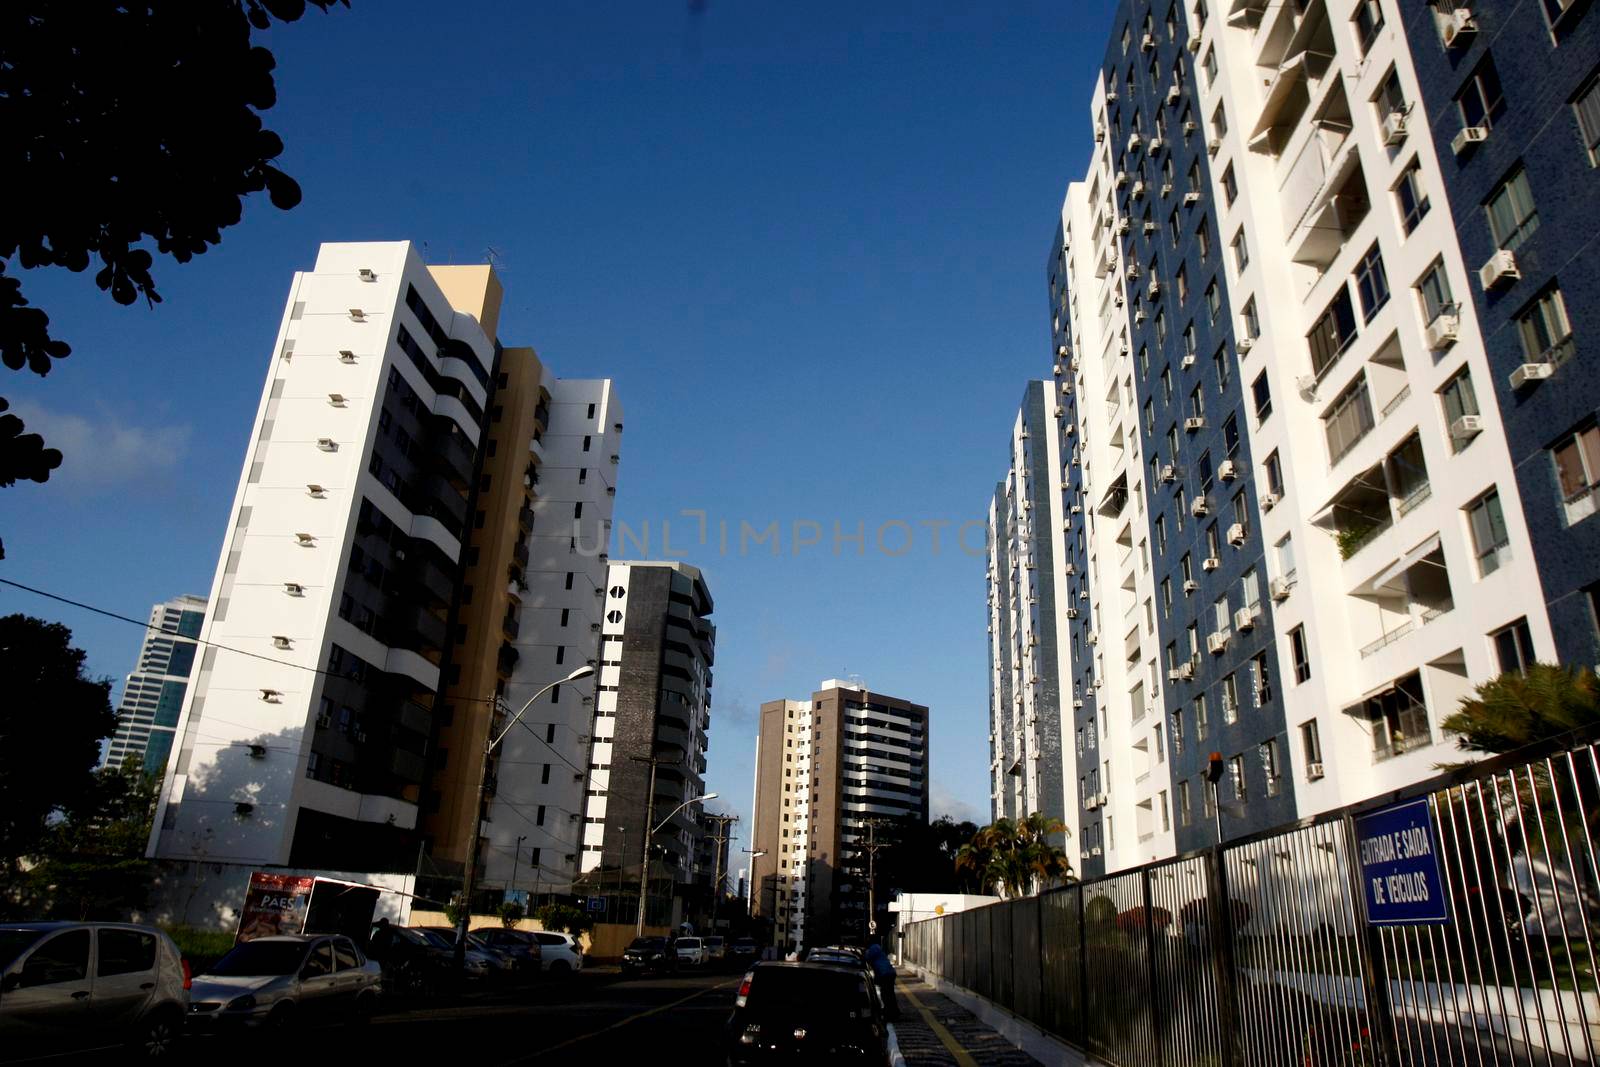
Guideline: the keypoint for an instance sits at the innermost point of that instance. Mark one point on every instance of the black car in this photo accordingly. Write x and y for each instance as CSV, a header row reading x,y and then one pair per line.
x,y
807,1013
743,950
646,954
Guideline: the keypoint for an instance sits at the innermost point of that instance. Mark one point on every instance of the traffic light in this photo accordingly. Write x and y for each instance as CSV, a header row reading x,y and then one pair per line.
x,y
1214,768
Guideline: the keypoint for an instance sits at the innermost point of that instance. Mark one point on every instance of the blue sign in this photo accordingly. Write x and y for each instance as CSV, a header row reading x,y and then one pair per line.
x,y
596,903
517,896
1399,856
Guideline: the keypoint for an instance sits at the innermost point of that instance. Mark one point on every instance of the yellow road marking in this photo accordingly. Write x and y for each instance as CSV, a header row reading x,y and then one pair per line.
x,y
946,1038
633,1019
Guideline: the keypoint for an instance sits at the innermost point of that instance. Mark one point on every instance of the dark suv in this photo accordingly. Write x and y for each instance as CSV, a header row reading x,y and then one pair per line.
x,y
646,954
807,1013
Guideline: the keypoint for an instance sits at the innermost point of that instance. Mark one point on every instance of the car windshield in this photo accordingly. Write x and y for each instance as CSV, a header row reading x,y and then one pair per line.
x,y
437,939
259,959
713,942
656,943
804,991
14,943
688,942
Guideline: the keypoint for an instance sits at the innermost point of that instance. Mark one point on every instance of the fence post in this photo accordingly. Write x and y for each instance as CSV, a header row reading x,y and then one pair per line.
x,y
1230,1024
1380,1015
1156,1016
1083,975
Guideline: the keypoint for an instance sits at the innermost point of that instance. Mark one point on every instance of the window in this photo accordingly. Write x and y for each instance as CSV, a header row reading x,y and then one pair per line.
x,y
1183,283
1161,327
1513,646
1203,470
1588,109
1219,364
1399,719
1230,435
1286,565
1368,20
1348,420
1197,402
1577,460
1261,394
1161,533
1188,340
1203,237
1274,471
1219,122
1166,384
1250,590
1372,282
1213,543
125,952
1411,196
1241,251
1174,228
1230,187
1513,217
1144,360
1299,655
1213,302
1183,804
1481,101
1391,98
63,958
1434,292
1166,597
1269,765
1458,399
1230,699
1489,536
1546,333
1333,332
1311,745
1210,66
1202,719
1241,790
1208,791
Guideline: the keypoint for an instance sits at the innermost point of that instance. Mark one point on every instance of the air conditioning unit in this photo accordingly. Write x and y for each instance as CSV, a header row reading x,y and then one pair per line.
x,y
1236,534
1166,188
1095,851
327,444
1466,427
1501,268
1076,508
1531,372
1194,422
1169,472
1174,94
1244,619
1467,138
1139,316
346,356
1227,470
1190,586
1155,289
315,491
1070,569
1122,178
272,696
1060,411
1093,638
1460,24
1281,587
294,589
280,641
1099,132
367,274
1132,271
1214,145
1138,189
1124,224
1441,332
1181,673
1072,613
1157,144
1199,507
1191,125
1306,385
1191,199
1216,643
357,315
1135,142
336,399
1091,802
1186,362
1314,771
1210,563
1394,128
1062,351
1244,344
1077,703
305,540
1111,96
1149,227
1058,371
1147,42
1269,501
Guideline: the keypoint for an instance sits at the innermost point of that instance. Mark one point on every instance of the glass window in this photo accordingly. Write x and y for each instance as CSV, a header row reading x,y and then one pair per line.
x,y
1188,340
1269,765
1434,292
1230,435
1241,251
1489,536
1202,719
1261,394
1184,815
1211,66
1481,101
1333,332
1458,399
1183,284
1513,218
1230,186
1368,20
1219,364
1286,564
1348,420
1274,469
1219,121
1513,646
1213,302
1399,719
1412,197
1577,460
1588,110
1250,589
1252,320
125,952
1299,655
1372,282
63,958
1230,699
1391,98
1544,328
1197,402
1311,743
1203,237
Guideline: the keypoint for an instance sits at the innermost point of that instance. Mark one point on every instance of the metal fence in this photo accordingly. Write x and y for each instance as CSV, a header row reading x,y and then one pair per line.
x,y
1268,951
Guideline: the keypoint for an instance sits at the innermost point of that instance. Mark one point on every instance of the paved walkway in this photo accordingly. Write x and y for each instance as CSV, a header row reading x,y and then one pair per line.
x,y
935,1031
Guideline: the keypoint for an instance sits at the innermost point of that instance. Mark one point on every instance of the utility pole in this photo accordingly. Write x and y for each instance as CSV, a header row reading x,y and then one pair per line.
x,y
516,857
872,878
651,829
721,839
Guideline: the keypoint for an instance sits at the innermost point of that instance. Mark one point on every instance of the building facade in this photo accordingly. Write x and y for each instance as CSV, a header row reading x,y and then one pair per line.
x,y
1027,716
152,695
1271,411
360,645
826,769
651,730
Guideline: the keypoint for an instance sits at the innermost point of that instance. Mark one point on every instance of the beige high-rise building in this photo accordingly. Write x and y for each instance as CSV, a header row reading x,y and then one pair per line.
x,y
826,769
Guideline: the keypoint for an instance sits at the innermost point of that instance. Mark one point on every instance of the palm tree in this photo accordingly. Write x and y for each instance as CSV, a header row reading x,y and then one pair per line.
x,y
1015,858
1520,708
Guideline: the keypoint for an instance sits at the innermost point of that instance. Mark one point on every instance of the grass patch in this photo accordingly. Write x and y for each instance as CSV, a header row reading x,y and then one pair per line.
x,y
200,947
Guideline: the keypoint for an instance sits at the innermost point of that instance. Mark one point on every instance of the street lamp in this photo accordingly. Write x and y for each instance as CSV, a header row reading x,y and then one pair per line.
x,y
644,866
489,745
749,886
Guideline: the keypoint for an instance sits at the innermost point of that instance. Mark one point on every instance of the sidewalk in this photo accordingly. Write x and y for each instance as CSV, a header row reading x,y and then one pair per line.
x,y
934,1031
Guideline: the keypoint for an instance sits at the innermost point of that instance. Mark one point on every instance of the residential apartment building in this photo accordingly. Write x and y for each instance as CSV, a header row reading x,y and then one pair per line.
x,y
152,695
1334,528
826,769
652,721
1027,617
396,455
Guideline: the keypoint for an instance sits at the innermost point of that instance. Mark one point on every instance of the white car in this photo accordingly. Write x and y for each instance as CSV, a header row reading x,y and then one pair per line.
x,y
559,953
691,950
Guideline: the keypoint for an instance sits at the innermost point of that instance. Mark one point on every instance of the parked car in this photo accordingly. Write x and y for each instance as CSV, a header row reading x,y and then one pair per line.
x,y
521,946
807,1013
476,963
716,949
67,986
649,954
844,957
412,963
286,980
690,950
744,950
562,953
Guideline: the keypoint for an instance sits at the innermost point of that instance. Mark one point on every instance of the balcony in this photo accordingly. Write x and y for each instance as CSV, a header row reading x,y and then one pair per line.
x,y
1358,512
519,552
452,454
510,626
1339,205
525,519
506,662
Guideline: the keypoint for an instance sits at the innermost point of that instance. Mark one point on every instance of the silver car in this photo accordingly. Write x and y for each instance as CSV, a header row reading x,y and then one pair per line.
x,y
70,986
282,981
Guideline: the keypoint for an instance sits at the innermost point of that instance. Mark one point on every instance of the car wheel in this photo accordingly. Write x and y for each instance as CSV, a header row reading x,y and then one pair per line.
x,y
157,1037
560,967
282,1018
363,1009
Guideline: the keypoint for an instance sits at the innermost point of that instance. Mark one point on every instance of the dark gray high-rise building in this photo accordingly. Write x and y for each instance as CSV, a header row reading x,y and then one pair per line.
x,y
153,694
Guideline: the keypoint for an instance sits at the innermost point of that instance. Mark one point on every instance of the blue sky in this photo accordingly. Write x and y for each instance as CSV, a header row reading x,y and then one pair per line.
x,y
808,242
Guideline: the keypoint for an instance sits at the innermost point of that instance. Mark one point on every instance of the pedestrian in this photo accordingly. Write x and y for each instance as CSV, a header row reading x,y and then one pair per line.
x,y
883,972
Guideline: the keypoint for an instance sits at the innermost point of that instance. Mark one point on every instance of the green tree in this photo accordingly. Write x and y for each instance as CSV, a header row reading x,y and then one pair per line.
x,y
1015,858
511,914
51,724
563,918
1520,708
90,863
125,123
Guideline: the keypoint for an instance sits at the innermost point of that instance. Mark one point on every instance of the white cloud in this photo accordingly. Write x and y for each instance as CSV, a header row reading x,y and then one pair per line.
x,y
941,801
105,452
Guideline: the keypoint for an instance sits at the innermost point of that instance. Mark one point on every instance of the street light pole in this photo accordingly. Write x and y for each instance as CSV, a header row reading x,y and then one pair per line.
x,y
723,821
516,858
470,875
650,832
